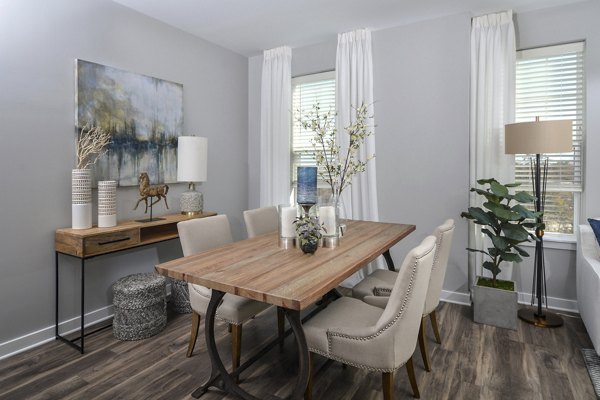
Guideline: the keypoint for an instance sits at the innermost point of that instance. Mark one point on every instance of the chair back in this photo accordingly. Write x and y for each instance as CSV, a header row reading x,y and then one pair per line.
x,y
401,318
201,234
443,235
261,220
198,235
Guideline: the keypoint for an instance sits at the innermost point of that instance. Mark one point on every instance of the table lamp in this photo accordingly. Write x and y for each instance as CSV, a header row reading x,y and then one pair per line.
x,y
192,155
539,137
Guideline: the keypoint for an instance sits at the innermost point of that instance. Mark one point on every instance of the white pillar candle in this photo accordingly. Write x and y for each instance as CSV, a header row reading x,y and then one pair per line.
x,y
327,218
288,215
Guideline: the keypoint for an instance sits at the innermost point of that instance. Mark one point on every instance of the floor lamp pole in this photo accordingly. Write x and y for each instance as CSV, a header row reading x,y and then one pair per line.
x,y
539,317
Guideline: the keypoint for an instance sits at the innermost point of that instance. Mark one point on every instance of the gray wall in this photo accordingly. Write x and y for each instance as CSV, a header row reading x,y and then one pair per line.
x,y
39,42
421,90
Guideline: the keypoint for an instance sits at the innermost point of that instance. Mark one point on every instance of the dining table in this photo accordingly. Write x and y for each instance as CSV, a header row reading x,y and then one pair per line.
x,y
259,269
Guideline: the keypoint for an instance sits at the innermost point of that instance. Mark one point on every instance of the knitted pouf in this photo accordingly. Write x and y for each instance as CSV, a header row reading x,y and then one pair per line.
x,y
140,306
180,297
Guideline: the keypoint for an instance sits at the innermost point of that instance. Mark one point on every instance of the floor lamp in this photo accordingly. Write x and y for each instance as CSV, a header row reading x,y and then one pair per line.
x,y
537,138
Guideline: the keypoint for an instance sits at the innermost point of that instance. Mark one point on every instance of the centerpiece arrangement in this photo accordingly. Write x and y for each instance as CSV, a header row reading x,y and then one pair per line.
x,y
336,164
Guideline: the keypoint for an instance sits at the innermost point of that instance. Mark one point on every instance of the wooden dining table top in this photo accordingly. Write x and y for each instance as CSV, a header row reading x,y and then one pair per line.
x,y
259,269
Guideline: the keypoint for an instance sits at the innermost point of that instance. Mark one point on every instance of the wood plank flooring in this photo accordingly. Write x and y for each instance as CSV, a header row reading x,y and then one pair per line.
x,y
473,362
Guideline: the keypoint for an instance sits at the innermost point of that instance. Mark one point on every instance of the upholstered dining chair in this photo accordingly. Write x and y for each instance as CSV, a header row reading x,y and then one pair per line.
x,y
261,220
375,288
203,234
368,337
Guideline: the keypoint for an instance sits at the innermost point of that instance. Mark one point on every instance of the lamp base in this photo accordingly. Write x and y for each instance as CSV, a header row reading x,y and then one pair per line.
x,y
547,320
191,203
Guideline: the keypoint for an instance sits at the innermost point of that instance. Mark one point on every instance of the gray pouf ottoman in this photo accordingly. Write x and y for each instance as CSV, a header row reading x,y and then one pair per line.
x,y
180,297
140,306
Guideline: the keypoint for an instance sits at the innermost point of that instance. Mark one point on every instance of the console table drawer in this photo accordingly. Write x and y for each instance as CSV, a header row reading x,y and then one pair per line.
x,y
109,242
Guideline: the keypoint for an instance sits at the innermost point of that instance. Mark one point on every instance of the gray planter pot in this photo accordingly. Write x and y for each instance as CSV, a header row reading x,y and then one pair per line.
x,y
496,307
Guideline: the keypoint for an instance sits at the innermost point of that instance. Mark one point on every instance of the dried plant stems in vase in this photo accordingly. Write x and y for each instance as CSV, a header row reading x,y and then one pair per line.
x,y
91,145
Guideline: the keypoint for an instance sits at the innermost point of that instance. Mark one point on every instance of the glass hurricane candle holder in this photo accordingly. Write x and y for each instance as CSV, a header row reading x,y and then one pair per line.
x,y
287,229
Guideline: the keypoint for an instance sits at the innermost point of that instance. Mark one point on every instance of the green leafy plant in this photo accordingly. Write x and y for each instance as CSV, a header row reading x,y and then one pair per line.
x,y
337,166
308,230
504,224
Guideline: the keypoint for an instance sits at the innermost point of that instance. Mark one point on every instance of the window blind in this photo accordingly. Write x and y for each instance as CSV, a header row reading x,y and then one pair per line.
x,y
307,91
550,85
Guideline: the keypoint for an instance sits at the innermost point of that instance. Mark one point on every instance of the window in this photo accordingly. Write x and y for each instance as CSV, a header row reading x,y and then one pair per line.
x,y
550,85
308,90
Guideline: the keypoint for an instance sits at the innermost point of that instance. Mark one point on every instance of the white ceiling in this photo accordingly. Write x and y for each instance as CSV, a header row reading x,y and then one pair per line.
x,y
250,26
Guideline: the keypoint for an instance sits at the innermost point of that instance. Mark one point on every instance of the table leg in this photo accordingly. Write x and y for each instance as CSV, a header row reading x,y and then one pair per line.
x,y
56,295
218,369
388,260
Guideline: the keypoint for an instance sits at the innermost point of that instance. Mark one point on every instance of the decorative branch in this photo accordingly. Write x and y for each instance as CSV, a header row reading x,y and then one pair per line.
x,y
92,140
335,169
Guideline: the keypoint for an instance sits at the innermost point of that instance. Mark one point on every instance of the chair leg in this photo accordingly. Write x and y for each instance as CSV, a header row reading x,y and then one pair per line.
x,y
387,381
309,386
413,380
194,333
423,346
236,345
280,327
434,325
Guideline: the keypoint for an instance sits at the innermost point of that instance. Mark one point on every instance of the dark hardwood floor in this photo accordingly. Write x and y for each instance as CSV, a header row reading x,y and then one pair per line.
x,y
473,362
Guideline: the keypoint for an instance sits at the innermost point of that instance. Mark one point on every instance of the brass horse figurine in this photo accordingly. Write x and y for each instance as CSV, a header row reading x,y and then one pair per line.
x,y
147,190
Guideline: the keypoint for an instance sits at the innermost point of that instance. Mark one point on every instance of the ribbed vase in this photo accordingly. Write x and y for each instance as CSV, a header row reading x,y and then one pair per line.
x,y
81,199
107,204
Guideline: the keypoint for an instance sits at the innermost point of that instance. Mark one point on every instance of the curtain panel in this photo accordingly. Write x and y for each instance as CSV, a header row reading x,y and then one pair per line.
x,y
493,53
275,106
354,86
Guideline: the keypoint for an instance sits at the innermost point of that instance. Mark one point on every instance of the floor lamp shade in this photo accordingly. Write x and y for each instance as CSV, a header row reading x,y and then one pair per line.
x,y
537,138
192,156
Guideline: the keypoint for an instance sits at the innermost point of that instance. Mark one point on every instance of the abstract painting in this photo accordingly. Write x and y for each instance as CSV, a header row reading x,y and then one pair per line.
x,y
144,116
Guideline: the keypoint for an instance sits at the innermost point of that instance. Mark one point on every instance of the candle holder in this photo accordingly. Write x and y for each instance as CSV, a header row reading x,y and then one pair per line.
x,y
287,232
328,216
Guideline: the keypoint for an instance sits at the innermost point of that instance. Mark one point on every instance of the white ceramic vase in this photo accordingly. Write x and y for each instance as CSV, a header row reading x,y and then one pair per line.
x,y
81,199
107,204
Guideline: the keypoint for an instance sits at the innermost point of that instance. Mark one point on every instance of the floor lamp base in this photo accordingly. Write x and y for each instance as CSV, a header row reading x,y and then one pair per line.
x,y
547,320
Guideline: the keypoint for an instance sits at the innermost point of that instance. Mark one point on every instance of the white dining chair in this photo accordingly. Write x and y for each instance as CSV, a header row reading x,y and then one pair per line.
x,y
376,288
368,337
261,220
203,234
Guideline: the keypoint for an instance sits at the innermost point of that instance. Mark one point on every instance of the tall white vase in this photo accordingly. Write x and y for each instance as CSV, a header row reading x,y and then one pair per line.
x,y
107,204
81,199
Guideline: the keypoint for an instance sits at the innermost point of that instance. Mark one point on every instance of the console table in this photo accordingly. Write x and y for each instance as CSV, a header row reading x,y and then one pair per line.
x,y
88,243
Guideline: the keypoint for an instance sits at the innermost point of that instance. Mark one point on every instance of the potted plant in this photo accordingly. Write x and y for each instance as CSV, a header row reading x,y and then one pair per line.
x,y
505,222
308,230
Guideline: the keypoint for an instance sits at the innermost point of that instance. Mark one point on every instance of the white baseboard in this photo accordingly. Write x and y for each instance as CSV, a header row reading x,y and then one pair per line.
x,y
456,297
44,335
554,303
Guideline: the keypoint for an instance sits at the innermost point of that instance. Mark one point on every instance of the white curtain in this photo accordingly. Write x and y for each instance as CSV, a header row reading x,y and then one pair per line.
x,y
492,106
275,106
354,86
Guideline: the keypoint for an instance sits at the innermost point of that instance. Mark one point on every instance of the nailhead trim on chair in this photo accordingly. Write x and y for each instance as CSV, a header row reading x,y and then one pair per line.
x,y
386,327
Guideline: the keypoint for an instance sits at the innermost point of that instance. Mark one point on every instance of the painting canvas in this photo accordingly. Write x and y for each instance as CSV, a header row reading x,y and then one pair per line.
x,y
144,116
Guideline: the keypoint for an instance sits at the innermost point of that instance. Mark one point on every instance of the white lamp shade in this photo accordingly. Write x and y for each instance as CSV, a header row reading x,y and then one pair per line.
x,y
538,137
192,155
